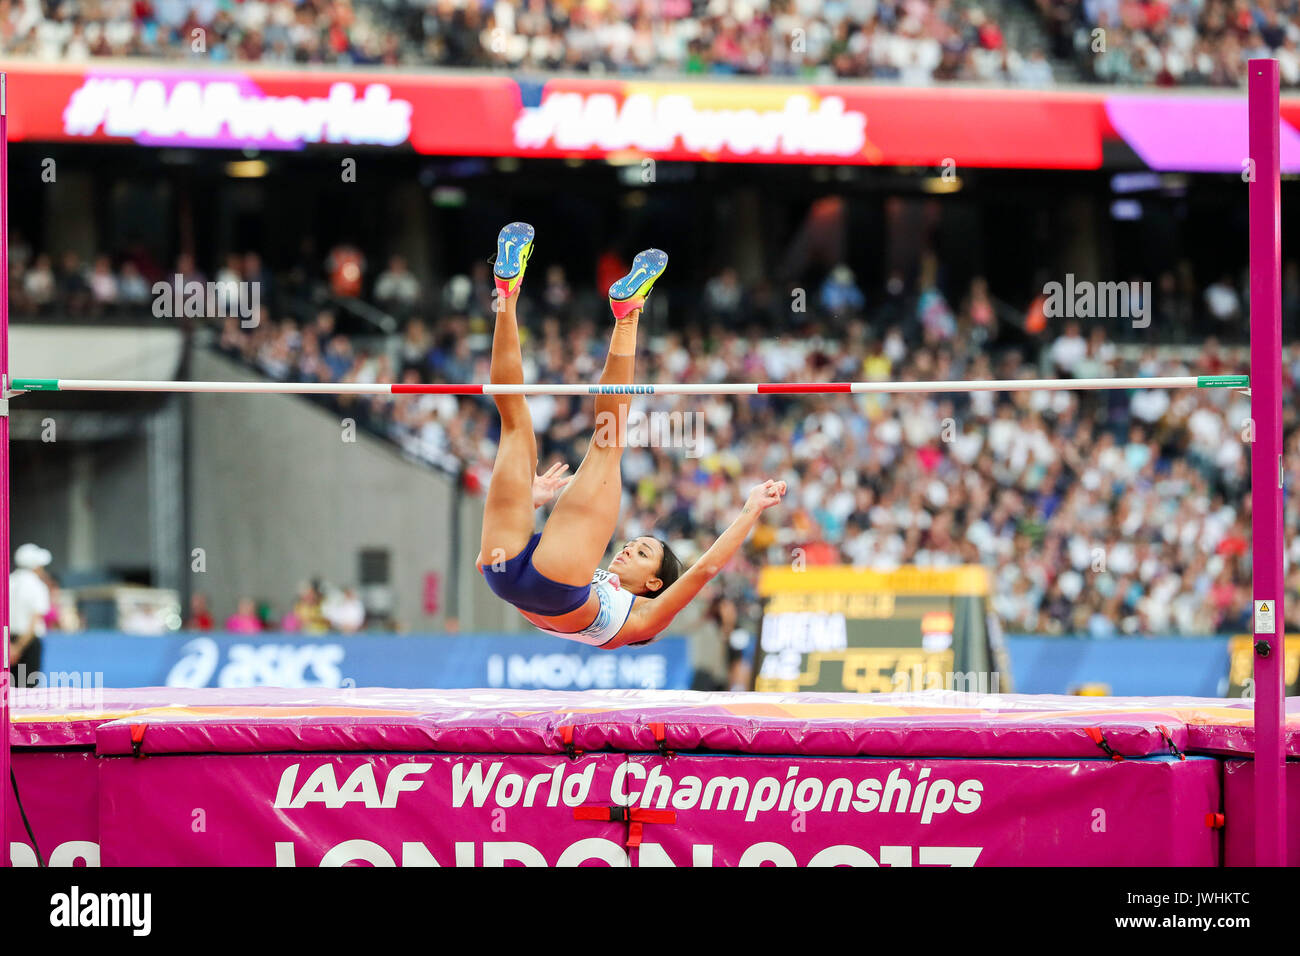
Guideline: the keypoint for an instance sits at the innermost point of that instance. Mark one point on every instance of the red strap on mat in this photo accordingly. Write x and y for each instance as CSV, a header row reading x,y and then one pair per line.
x,y
634,817
661,739
566,738
1169,739
1099,739
618,814
644,815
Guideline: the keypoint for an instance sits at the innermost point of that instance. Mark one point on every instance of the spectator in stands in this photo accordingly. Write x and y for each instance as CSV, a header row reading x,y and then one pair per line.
x,y
73,287
483,291
610,266
416,346
978,317
396,288
311,365
266,616
323,325
200,617
344,611
1069,350
20,252
187,270
103,285
245,619
132,289
229,277
252,270
39,284
339,357
1035,71
1222,301
840,295
556,294
29,603
932,307
305,615
346,266
276,355
722,295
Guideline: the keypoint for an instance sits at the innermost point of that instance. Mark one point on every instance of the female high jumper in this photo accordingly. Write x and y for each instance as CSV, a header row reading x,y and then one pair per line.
x,y
554,577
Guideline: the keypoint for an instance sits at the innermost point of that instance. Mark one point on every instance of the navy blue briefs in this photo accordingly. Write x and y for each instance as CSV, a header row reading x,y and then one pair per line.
x,y
518,582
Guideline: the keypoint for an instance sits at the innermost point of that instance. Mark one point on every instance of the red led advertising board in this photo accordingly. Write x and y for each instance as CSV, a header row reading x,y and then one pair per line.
x,y
732,121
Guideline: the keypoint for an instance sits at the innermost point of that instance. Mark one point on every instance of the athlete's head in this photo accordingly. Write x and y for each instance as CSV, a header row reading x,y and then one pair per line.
x,y
646,566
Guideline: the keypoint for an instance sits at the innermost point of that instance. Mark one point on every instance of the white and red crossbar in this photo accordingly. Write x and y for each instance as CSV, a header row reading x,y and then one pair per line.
x,y
666,388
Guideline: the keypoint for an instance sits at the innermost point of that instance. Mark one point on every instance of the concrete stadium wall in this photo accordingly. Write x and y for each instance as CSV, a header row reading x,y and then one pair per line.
x,y
85,501
276,497
87,351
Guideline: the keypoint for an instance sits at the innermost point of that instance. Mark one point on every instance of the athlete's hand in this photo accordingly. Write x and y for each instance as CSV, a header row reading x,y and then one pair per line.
x,y
548,484
764,496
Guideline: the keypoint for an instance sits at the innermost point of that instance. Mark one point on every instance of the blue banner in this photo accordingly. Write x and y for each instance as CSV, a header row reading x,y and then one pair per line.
x,y
364,660
1128,666
1136,667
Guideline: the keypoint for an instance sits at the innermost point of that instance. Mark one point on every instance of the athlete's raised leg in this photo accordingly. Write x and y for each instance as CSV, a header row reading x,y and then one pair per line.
x,y
508,510
578,532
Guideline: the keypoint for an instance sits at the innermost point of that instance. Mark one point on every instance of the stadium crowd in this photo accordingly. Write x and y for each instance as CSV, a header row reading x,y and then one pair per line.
x,y
1102,512
316,609
41,284
1175,42
917,42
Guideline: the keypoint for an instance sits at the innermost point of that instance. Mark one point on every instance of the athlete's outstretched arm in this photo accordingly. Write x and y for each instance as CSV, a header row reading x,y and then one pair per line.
x,y
653,616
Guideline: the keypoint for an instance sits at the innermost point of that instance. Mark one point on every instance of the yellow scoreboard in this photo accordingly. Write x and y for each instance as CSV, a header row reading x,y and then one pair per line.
x,y
838,628
1241,666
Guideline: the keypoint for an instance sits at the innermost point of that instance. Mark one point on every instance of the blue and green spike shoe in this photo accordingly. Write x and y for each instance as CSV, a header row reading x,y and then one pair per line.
x,y
628,293
514,246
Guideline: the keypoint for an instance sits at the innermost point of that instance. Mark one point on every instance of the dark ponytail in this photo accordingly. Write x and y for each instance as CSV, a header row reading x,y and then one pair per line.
x,y
670,569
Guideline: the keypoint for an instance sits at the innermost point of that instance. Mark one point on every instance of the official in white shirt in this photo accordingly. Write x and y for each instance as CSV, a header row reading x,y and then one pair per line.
x,y
29,602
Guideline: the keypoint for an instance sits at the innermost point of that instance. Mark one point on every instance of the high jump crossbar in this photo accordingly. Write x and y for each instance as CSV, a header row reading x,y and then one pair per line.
x,y
21,385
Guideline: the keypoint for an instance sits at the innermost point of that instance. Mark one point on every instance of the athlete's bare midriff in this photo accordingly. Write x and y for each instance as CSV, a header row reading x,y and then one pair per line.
x,y
576,620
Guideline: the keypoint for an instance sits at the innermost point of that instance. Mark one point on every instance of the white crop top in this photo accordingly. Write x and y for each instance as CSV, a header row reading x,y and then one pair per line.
x,y
615,606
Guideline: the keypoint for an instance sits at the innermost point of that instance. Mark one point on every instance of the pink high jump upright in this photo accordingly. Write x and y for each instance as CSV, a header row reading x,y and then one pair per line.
x,y
1269,623
4,461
